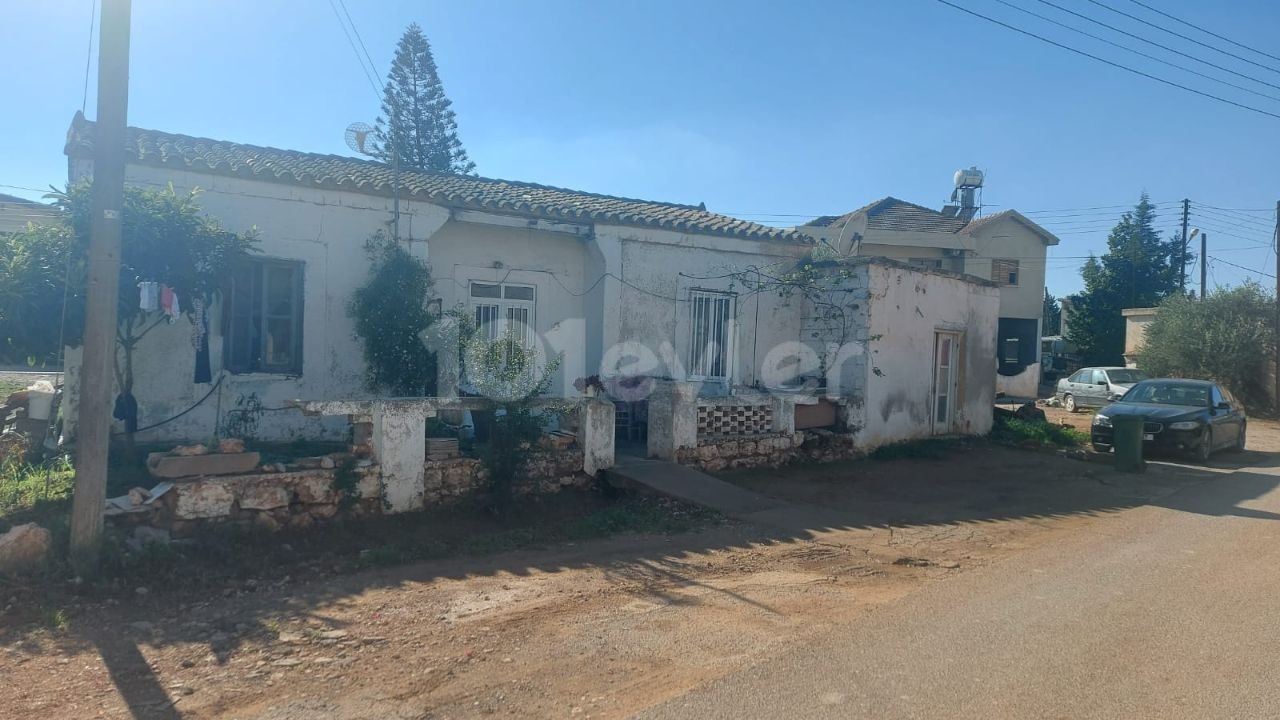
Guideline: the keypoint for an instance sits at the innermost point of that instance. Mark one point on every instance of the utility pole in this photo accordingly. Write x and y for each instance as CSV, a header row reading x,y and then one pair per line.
x,y
1276,247
104,287
1204,264
1182,256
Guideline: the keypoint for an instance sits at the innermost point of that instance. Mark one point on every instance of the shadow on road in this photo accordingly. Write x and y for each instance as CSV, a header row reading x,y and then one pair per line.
x,y
975,484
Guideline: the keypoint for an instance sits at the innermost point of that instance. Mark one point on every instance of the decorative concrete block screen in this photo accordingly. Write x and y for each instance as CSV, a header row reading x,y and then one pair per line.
x,y
735,419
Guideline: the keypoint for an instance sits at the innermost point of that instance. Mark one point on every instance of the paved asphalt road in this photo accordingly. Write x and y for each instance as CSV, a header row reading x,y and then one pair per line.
x,y
1168,611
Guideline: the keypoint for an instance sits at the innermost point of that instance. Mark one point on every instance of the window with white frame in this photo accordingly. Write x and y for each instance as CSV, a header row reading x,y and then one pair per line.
x,y
711,334
499,306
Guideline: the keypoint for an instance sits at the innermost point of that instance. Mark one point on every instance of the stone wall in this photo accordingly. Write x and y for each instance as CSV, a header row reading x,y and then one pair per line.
x,y
716,453
448,481
298,498
270,501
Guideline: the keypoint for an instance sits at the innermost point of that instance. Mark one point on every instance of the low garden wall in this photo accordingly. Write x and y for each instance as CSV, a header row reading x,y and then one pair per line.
x,y
448,481
274,498
728,452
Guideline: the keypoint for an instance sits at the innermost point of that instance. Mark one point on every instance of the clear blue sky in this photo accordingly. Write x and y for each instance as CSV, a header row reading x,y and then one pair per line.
x,y
770,111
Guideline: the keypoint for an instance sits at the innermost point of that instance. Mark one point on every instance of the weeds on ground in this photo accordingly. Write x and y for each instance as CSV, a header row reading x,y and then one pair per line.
x,y
34,491
1018,431
927,449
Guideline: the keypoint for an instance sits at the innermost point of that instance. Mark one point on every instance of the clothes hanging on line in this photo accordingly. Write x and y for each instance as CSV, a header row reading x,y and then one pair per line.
x,y
148,296
204,371
169,303
198,325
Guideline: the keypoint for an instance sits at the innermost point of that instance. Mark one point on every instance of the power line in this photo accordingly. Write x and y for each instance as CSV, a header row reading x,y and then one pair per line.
x,y
1166,48
373,84
1148,56
88,55
1109,62
1184,37
1242,267
1235,221
372,66
1206,32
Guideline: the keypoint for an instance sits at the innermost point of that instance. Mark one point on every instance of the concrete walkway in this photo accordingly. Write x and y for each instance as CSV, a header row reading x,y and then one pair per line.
x,y
694,486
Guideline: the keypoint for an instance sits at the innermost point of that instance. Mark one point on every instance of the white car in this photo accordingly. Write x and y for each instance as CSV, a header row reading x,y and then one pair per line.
x,y
1096,386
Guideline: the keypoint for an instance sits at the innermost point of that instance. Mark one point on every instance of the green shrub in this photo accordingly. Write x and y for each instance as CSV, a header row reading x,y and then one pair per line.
x,y
1227,337
1016,430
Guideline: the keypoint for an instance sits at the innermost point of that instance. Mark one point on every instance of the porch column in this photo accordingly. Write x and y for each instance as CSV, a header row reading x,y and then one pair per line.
x,y
673,419
400,444
784,414
596,434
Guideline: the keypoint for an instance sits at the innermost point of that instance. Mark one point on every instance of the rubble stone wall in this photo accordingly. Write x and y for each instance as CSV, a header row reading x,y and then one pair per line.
x,y
300,497
717,453
448,481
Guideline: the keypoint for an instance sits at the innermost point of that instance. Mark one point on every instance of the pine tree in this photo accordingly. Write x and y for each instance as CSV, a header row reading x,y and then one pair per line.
x,y
1139,269
417,118
1052,317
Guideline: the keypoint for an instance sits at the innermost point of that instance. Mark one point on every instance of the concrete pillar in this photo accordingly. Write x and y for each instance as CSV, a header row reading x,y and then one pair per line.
x,y
673,419
784,415
400,444
596,434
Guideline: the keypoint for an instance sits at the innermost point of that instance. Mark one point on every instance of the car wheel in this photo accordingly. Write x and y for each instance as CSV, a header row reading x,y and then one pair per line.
x,y
1069,402
1241,441
1104,449
1206,446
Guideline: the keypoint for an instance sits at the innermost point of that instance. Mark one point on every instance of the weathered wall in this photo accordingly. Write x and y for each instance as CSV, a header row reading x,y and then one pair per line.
x,y
1012,240
324,229
1136,321
906,308
660,269
552,262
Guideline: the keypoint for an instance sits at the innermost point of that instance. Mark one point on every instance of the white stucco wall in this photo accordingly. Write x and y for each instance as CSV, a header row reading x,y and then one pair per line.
x,y
649,297
906,308
325,230
553,263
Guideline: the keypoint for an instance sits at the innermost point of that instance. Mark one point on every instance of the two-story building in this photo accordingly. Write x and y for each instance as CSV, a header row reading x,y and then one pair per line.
x,y
1006,248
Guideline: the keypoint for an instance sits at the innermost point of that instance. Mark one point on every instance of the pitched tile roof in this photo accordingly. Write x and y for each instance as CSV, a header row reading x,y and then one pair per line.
x,y
975,225
220,157
891,213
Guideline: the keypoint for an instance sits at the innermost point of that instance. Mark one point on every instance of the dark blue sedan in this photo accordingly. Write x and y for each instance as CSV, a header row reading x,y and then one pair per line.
x,y
1193,416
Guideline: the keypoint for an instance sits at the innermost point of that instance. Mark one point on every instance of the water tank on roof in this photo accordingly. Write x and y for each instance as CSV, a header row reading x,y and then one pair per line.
x,y
969,178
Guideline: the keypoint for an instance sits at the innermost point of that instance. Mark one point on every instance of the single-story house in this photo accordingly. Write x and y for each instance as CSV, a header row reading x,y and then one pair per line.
x,y
16,213
617,286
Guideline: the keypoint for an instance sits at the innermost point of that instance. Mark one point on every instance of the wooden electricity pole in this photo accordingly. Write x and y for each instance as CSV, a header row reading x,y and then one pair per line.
x,y
1182,254
109,141
1204,264
1276,248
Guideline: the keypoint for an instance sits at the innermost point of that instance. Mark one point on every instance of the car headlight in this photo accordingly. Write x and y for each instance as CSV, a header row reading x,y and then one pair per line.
x,y
1188,425
1101,421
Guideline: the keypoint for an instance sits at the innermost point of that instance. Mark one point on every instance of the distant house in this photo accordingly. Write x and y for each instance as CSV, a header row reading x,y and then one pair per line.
x,y
614,285
1006,248
1136,321
16,213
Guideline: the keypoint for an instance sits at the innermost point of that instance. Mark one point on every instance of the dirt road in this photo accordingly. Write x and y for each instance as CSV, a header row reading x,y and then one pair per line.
x,y
598,629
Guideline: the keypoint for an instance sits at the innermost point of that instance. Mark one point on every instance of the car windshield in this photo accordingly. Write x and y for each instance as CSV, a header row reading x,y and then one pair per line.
x,y
1169,394
1126,377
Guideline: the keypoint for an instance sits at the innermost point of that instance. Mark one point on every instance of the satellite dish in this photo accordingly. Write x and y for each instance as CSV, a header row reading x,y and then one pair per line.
x,y
359,137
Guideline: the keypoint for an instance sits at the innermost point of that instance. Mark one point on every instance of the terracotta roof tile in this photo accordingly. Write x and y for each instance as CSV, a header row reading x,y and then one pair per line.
x,y
152,147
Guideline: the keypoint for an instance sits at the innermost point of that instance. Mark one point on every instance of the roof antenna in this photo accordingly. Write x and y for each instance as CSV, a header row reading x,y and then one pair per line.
x,y
358,137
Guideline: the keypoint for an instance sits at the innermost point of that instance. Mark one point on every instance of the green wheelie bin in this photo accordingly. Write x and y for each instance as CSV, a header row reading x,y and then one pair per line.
x,y
1127,442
